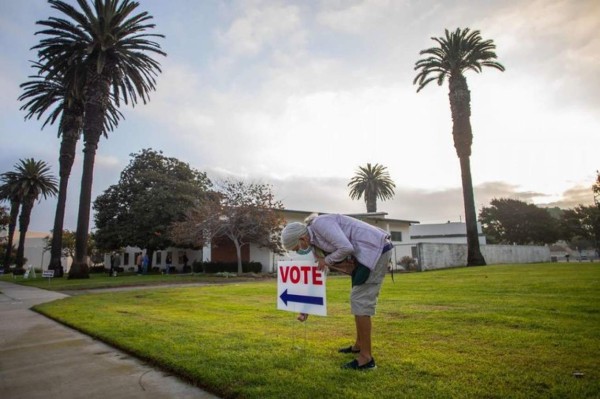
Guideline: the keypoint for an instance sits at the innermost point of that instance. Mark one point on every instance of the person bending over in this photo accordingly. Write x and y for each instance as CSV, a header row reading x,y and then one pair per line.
x,y
335,239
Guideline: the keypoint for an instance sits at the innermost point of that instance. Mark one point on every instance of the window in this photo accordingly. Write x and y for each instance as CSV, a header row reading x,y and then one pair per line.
x,y
158,257
396,236
125,258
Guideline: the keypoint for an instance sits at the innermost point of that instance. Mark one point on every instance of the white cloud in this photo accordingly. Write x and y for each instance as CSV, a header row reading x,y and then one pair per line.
x,y
553,41
260,28
107,161
354,17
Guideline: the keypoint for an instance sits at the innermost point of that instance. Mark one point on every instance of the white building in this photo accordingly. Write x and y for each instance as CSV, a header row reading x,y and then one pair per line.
x,y
180,258
34,252
447,233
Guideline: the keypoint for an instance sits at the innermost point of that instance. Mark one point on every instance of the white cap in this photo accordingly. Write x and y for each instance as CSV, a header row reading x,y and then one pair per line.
x,y
291,234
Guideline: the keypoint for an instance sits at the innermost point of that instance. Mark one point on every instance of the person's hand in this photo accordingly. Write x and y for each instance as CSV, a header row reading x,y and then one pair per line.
x,y
302,317
321,264
346,266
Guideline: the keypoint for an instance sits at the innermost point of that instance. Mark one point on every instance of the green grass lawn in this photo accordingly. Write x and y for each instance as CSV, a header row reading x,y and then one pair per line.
x,y
518,331
123,280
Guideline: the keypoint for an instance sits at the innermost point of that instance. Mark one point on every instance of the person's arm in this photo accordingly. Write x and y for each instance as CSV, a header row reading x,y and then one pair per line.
x,y
346,266
331,232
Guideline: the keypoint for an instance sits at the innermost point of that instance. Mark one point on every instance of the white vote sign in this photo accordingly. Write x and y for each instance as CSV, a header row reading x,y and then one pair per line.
x,y
301,287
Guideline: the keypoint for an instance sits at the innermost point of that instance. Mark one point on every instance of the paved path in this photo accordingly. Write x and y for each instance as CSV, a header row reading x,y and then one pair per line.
x,y
40,358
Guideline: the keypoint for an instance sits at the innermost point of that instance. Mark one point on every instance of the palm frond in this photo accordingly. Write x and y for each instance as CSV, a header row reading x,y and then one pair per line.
x,y
371,182
457,52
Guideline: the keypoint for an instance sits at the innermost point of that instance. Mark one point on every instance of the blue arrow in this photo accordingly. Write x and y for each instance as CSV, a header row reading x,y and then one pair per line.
x,y
312,300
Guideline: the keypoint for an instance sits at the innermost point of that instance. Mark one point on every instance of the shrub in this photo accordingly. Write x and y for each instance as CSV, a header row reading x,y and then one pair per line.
x,y
408,263
98,269
230,267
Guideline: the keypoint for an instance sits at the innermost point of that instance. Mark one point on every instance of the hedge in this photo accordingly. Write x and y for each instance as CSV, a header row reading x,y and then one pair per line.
x,y
230,267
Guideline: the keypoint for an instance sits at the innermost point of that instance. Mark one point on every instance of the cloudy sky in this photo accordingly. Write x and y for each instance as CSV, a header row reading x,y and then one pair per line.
x,y
298,94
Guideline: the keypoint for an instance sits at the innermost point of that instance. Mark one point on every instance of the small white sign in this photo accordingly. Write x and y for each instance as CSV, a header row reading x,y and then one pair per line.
x,y
301,287
48,273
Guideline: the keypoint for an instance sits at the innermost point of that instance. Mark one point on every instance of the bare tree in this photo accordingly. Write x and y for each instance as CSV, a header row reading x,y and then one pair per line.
x,y
244,213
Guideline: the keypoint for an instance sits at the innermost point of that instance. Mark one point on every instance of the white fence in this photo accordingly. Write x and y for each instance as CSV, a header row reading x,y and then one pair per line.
x,y
441,256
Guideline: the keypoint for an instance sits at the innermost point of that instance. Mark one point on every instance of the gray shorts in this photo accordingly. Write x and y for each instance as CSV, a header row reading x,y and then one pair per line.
x,y
363,298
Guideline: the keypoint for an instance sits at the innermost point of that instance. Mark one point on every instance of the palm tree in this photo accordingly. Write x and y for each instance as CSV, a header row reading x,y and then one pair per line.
x,y
28,181
62,96
458,52
112,45
373,182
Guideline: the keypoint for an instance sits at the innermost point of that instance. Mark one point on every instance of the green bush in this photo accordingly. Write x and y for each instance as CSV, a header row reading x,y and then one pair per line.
x,y
98,269
197,266
231,267
408,263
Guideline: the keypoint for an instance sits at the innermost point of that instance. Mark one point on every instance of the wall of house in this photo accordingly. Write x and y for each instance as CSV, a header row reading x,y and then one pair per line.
x,y
441,256
264,256
35,254
128,255
449,233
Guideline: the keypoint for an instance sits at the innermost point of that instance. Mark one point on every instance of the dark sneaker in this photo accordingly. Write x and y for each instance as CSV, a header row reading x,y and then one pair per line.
x,y
348,349
353,365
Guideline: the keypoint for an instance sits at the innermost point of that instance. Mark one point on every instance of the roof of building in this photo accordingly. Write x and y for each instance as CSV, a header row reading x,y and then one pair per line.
x,y
378,216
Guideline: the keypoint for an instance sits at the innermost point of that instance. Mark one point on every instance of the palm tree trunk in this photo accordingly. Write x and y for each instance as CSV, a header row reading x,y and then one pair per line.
x,y
67,157
79,268
97,97
12,225
371,201
24,219
460,105
474,256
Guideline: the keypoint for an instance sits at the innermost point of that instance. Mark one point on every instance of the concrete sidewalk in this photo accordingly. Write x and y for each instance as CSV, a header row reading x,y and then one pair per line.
x,y
40,358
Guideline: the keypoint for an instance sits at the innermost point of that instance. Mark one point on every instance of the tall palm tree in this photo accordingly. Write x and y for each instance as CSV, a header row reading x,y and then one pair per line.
x,y
112,45
62,96
458,52
28,181
372,182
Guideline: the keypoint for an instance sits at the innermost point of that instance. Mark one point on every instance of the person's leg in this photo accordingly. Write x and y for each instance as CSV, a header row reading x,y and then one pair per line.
x,y
363,300
363,339
356,346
